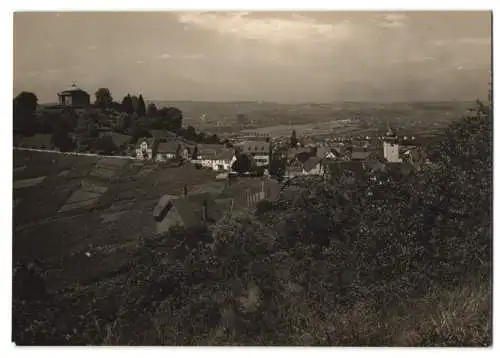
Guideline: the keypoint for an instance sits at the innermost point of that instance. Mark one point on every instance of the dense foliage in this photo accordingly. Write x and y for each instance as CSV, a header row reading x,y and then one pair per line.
x,y
24,107
103,98
130,117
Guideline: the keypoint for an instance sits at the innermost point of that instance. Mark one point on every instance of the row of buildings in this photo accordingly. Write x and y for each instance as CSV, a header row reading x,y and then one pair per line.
x,y
190,210
218,157
318,160
299,161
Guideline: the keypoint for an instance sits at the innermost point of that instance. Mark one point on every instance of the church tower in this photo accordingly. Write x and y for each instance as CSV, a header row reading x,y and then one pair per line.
x,y
391,147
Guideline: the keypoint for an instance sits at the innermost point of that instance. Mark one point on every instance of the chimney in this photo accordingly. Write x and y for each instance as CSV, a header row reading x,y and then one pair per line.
x,y
185,191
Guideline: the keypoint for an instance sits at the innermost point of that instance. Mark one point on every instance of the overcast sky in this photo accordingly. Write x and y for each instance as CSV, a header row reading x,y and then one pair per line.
x,y
282,56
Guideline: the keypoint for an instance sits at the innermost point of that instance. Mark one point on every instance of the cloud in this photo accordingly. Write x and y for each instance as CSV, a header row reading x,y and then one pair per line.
x,y
164,56
271,29
195,56
139,62
91,47
414,59
393,20
462,41
475,41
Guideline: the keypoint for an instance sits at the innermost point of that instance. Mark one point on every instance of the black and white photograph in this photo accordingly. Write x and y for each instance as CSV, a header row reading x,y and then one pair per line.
x,y
252,178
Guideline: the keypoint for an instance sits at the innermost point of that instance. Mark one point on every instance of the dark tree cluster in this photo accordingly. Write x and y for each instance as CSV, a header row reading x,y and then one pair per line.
x,y
132,116
24,111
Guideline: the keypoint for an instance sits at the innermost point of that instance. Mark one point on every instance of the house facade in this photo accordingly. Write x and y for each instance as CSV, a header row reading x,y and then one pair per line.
x,y
73,97
328,153
146,149
216,157
220,161
391,148
171,150
185,211
313,166
259,150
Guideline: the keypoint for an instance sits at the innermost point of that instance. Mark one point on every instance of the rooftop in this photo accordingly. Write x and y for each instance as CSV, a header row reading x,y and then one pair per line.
x,y
311,163
190,208
149,140
222,154
254,146
71,89
360,155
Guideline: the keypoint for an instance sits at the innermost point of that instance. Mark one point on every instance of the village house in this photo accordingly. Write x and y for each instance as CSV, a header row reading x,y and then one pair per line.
x,y
391,148
215,156
259,150
328,153
146,148
171,150
300,154
295,167
74,97
188,211
313,166
360,155
219,161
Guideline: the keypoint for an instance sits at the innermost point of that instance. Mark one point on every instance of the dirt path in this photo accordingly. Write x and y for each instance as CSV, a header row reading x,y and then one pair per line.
x,y
73,153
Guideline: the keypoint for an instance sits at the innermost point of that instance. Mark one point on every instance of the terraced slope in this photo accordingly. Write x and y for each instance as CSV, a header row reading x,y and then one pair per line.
x,y
83,218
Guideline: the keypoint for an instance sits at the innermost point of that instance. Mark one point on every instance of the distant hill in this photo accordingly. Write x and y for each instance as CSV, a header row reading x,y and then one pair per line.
x,y
223,116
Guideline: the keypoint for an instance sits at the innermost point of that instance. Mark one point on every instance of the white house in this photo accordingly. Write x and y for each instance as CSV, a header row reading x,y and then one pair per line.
x,y
218,160
145,148
391,148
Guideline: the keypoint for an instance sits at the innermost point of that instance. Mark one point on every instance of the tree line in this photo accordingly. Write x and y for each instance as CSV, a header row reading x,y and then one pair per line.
x,y
131,116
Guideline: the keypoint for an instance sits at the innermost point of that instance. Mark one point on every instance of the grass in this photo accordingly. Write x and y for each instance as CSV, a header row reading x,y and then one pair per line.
x,y
26,183
442,317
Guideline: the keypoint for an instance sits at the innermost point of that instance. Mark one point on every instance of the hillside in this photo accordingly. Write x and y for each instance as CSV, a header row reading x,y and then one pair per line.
x,y
67,205
404,261
222,117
